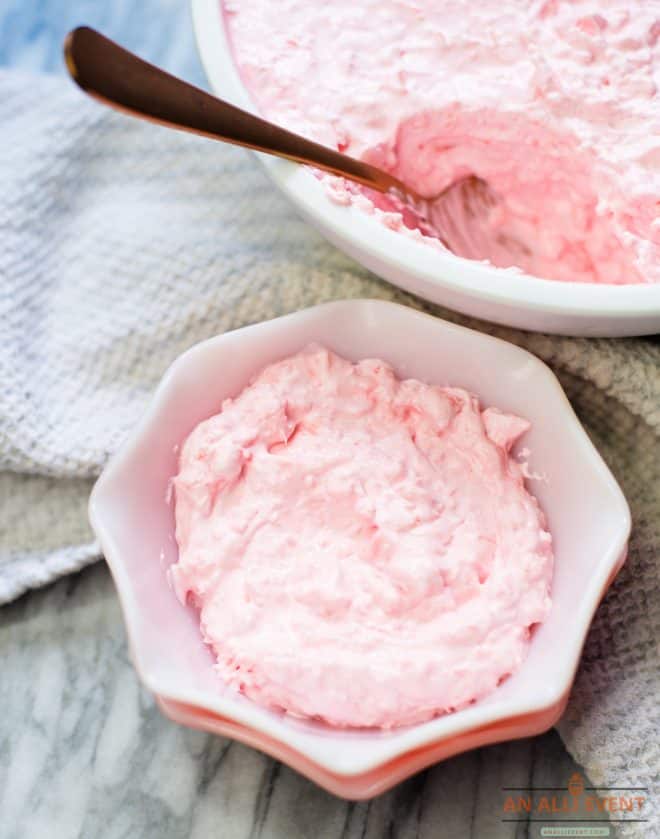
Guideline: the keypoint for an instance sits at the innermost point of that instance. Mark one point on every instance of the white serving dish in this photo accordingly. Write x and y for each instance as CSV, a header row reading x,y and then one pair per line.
x,y
464,285
587,515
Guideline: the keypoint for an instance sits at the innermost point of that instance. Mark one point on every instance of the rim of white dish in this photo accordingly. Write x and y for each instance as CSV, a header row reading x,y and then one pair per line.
x,y
415,737
475,279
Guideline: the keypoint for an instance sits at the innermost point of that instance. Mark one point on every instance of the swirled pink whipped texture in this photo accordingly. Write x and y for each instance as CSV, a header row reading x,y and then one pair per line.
x,y
552,103
362,549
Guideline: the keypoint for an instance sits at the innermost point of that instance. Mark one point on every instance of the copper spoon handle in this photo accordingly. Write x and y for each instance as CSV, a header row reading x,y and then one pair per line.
x,y
118,78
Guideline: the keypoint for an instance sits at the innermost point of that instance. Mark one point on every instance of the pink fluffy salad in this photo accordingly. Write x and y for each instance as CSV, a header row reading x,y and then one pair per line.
x,y
553,104
362,549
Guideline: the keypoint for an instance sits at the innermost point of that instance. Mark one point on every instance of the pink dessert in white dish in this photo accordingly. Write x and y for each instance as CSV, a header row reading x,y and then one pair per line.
x,y
362,549
554,104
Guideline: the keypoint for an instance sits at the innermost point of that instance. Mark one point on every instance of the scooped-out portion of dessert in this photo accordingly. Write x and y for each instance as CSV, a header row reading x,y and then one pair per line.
x,y
538,121
362,549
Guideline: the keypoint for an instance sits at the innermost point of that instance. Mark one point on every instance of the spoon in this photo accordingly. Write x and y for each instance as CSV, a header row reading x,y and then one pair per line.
x,y
118,78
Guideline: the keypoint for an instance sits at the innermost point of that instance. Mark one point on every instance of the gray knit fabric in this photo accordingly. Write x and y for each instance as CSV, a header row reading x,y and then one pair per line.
x,y
123,244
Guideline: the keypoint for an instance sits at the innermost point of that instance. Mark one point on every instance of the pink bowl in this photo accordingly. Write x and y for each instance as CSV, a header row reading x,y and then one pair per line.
x,y
587,514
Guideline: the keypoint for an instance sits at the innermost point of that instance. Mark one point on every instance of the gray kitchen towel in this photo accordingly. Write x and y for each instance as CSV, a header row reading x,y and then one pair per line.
x,y
122,244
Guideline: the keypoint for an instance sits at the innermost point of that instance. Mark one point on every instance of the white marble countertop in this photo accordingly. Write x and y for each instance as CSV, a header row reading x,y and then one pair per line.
x,y
85,752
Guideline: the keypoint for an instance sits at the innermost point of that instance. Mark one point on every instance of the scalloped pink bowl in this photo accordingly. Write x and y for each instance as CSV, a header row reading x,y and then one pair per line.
x,y
587,514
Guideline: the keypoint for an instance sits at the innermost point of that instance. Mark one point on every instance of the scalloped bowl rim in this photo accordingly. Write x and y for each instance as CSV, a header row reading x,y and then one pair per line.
x,y
267,723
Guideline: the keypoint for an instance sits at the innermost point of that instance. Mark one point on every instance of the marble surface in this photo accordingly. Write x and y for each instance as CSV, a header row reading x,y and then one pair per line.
x,y
84,748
